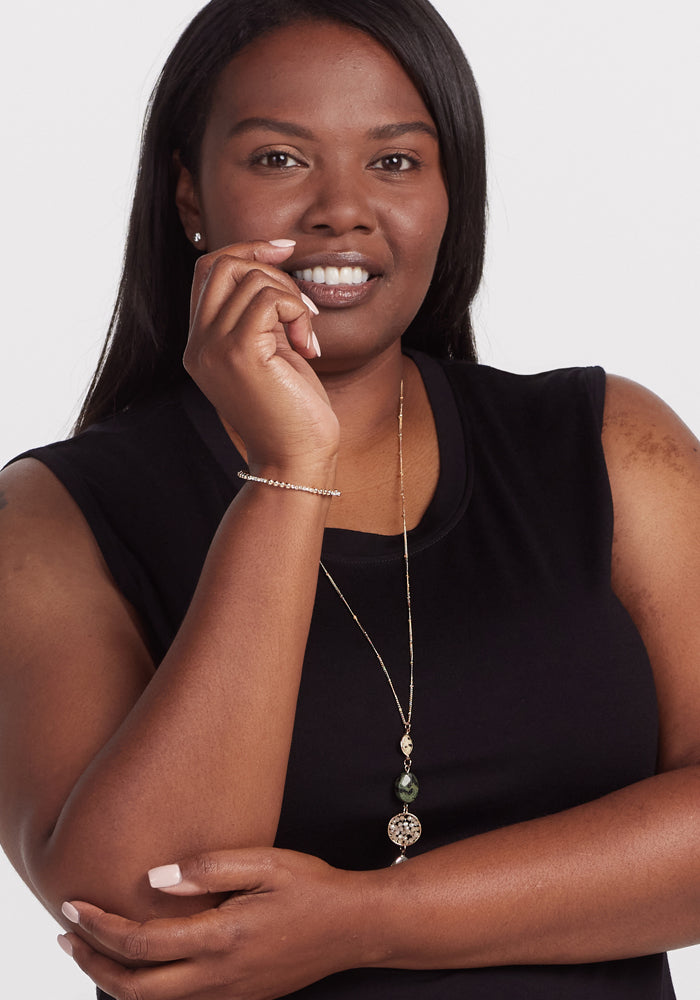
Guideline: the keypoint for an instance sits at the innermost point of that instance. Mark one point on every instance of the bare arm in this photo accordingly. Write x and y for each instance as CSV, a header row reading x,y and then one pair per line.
x,y
105,763
613,878
619,876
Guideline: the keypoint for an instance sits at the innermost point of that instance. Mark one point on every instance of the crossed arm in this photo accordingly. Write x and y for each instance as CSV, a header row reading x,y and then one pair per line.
x,y
612,878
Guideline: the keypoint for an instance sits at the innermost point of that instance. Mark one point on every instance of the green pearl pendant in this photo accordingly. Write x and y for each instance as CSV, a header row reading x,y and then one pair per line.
x,y
406,787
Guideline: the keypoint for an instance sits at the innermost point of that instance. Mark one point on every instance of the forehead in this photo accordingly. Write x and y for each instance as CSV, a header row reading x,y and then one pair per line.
x,y
316,71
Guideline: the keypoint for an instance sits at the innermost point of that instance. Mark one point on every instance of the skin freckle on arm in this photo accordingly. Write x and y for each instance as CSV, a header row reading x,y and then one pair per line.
x,y
648,446
3,500
652,447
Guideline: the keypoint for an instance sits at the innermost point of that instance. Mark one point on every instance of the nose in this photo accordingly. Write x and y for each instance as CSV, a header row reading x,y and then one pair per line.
x,y
339,203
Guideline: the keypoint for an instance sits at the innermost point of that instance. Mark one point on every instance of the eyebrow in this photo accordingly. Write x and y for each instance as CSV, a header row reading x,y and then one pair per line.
x,y
392,131
398,129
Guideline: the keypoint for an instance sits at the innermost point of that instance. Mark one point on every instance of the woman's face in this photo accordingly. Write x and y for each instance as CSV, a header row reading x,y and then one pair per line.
x,y
316,134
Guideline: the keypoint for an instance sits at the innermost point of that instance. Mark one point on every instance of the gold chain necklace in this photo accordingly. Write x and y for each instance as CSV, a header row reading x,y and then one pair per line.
x,y
404,829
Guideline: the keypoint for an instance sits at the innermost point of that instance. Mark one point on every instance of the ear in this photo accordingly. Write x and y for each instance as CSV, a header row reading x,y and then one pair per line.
x,y
187,202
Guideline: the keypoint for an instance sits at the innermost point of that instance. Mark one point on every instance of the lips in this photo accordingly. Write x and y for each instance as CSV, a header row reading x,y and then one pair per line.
x,y
336,280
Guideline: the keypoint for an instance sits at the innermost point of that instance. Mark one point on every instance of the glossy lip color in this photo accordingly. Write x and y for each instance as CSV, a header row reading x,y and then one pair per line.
x,y
336,296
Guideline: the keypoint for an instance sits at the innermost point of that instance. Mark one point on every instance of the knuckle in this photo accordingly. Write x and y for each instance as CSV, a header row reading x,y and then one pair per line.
x,y
207,865
229,937
255,280
271,861
135,945
131,991
222,261
270,296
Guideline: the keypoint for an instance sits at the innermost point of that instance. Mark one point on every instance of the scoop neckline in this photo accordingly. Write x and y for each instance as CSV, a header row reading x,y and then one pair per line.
x,y
452,492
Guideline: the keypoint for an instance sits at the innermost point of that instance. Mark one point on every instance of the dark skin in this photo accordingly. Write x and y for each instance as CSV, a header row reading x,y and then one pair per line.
x,y
110,745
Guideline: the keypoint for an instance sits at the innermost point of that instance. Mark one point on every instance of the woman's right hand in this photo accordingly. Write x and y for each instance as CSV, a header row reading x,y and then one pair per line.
x,y
250,341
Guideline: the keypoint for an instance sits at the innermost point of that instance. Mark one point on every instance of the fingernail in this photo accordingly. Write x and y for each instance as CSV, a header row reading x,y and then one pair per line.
x,y
165,876
283,243
70,913
316,344
307,302
65,944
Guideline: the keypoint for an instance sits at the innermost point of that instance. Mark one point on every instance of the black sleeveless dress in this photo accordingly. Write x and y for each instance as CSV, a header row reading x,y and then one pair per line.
x,y
534,692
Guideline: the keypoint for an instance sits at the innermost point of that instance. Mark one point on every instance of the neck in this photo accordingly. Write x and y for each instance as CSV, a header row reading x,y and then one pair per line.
x,y
367,405
366,402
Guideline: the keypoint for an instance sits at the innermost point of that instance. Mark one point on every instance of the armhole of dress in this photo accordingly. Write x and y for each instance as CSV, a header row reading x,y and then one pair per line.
x,y
594,379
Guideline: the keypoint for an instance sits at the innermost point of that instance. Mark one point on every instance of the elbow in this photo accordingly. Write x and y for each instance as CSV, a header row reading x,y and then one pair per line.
x,y
69,865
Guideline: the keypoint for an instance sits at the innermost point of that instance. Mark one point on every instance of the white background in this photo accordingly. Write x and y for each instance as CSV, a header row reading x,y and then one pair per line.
x,y
594,146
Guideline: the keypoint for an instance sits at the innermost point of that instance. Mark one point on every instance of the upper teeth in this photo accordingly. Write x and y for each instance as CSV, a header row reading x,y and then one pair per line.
x,y
333,275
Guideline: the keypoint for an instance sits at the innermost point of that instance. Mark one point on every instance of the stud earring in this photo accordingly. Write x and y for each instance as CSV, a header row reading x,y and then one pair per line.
x,y
197,238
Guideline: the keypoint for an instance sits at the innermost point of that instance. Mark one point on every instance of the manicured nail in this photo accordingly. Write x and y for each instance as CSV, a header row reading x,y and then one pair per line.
x,y
283,243
65,944
307,302
165,876
316,344
70,913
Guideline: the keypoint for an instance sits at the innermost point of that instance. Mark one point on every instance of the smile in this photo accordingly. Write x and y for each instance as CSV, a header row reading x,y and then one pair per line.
x,y
333,275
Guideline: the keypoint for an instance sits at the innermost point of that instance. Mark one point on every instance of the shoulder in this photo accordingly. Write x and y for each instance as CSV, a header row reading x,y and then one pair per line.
x,y
653,459
653,464
557,387
557,407
641,433
58,503
40,523
111,464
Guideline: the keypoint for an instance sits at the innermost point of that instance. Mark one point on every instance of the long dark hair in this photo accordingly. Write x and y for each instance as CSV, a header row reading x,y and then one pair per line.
x,y
148,330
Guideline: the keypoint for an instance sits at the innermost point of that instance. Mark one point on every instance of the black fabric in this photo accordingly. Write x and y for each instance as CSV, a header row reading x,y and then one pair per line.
x,y
533,688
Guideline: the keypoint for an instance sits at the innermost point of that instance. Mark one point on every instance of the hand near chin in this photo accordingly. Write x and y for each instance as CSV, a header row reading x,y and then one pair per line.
x,y
250,343
289,920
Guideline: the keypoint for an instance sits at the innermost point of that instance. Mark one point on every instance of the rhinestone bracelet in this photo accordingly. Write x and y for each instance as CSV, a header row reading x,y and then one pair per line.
x,y
288,486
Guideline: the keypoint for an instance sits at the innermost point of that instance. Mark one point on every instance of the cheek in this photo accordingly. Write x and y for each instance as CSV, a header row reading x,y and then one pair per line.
x,y
237,212
423,228
426,215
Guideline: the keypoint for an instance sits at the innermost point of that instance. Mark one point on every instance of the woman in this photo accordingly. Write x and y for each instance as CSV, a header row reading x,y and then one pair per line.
x,y
320,158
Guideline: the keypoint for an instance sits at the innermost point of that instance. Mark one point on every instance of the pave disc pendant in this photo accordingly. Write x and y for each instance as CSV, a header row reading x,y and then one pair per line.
x,y
404,829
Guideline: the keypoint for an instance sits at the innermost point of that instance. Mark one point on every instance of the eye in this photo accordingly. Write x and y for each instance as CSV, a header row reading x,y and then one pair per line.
x,y
395,163
278,159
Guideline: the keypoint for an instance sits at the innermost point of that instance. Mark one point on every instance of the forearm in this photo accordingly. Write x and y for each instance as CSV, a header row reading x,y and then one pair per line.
x,y
614,878
200,761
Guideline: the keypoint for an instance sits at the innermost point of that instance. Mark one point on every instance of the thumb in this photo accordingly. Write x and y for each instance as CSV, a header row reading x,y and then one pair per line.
x,y
169,878
218,871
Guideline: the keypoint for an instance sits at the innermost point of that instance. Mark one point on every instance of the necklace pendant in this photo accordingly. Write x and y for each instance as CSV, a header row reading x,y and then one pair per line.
x,y
404,829
399,860
406,787
406,745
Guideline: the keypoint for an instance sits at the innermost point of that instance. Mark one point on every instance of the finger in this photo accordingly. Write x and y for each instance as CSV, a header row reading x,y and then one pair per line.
x,y
245,870
227,276
231,286
262,304
167,982
159,940
272,253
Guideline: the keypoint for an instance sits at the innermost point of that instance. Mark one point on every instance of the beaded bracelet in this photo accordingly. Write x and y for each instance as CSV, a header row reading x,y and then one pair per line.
x,y
288,486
